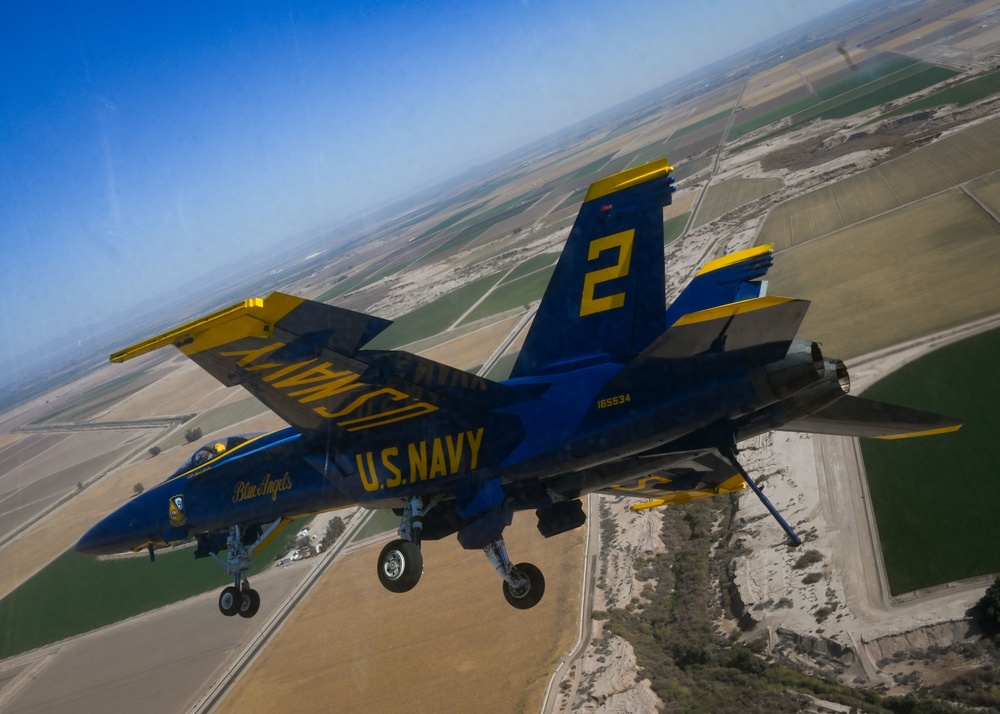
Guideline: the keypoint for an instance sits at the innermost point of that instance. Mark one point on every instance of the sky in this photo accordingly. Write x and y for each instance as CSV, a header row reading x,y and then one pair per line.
x,y
145,144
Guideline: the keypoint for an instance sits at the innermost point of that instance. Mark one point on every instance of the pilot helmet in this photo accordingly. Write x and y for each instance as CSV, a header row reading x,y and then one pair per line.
x,y
219,448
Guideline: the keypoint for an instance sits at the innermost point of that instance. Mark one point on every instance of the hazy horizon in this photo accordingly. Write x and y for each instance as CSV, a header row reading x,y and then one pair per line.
x,y
147,146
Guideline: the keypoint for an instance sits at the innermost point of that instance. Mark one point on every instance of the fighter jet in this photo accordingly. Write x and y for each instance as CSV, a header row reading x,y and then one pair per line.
x,y
613,392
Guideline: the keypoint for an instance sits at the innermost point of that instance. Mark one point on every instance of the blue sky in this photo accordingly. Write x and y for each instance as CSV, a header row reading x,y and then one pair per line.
x,y
143,144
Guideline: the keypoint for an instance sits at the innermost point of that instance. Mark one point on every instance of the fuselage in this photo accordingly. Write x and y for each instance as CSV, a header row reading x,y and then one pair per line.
x,y
585,429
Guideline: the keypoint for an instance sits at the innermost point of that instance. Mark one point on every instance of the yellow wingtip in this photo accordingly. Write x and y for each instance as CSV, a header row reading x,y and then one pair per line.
x,y
737,257
244,318
628,178
926,432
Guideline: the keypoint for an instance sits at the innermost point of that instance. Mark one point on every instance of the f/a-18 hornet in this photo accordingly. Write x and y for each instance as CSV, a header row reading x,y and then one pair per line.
x,y
613,392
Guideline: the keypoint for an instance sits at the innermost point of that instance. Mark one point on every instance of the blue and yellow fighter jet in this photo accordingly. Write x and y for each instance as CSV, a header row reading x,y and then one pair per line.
x,y
613,392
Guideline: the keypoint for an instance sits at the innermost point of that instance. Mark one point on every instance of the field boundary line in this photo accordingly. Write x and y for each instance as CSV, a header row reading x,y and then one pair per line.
x,y
960,187
986,209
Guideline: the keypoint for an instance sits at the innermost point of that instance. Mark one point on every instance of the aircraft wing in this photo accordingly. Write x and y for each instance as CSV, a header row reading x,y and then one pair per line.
x,y
304,360
705,474
857,416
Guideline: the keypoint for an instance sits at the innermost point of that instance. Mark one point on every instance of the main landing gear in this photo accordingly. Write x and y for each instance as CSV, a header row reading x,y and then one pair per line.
x,y
400,564
523,584
239,598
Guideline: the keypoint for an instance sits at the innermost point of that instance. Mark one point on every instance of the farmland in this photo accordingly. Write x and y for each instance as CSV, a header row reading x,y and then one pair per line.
x,y
948,162
935,497
959,95
986,190
731,194
351,633
107,591
863,301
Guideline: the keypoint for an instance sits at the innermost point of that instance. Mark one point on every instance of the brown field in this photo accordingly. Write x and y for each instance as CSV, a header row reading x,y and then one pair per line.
x,y
186,389
451,644
987,191
48,468
917,270
473,348
731,194
681,202
949,162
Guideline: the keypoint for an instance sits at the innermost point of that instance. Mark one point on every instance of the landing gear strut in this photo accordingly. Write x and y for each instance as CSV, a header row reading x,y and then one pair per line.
x,y
239,598
523,584
730,453
400,564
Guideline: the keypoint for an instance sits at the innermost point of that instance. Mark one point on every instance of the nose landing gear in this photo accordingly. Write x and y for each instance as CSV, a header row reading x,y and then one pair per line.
x,y
239,598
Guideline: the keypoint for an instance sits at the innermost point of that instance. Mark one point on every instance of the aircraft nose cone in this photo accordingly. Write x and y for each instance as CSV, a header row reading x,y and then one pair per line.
x,y
127,528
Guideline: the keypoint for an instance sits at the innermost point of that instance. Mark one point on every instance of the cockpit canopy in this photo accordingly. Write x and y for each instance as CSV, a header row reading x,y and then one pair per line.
x,y
214,448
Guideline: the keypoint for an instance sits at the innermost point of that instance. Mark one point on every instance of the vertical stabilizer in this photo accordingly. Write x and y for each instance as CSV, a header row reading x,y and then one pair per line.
x,y
606,296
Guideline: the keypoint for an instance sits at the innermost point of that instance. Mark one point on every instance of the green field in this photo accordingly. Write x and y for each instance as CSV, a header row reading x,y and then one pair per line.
x,y
773,115
674,226
935,498
381,521
959,95
433,317
512,294
79,593
883,90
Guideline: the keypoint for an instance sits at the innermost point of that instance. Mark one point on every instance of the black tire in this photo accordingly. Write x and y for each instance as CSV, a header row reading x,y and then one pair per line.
x,y
230,600
528,596
400,565
249,603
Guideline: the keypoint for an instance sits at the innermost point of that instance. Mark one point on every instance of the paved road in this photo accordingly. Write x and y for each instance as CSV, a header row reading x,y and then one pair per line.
x,y
175,659
591,552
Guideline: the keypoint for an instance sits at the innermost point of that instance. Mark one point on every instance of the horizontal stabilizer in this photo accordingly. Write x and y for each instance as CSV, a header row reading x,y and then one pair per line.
x,y
731,278
857,416
705,474
762,326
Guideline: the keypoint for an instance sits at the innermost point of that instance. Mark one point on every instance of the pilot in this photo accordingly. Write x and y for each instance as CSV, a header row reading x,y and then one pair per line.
x,y
207,453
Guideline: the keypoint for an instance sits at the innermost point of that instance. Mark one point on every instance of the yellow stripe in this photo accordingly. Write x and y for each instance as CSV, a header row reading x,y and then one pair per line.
x,y
928,432
270,537
251,318
731,485
734,258
730,309
629,178
648,504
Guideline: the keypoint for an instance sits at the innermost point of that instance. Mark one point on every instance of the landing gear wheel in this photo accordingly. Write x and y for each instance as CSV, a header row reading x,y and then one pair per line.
x,y
249,603
530,592
229,601
400,566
